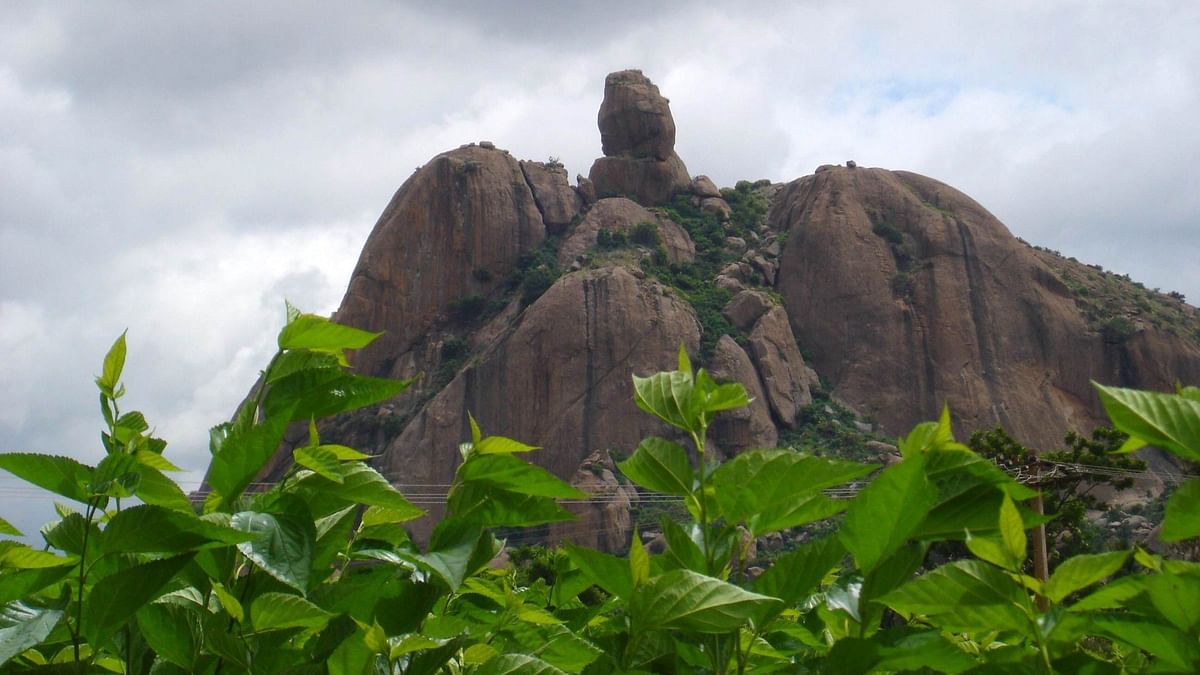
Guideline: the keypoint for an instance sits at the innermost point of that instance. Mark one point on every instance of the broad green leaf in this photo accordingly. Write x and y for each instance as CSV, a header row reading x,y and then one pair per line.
x,y
7,528
1114,594
363,485
309,331
991,550
343,453
554,644
154,460
241,452
1182,520
229,602
153,529
794,576
772,490
114,363
1080,571
683,546
19,556
172,631
887,512
34,625
159,490
283,545
1012,531
514,474
333,533
963,596
476,434
923,652
115,476
323,393
639,560
21,584
68,534
115,598
660,465
60,475
1169,421
517,664
1176,597
275,611
684,361
606,571
667,396
686,600
489,506
455,549
321,462
377,515
493,445
1165,642
289,363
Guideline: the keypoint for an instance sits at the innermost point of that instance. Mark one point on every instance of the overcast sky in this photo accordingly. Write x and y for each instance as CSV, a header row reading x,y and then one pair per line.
x,y
178,169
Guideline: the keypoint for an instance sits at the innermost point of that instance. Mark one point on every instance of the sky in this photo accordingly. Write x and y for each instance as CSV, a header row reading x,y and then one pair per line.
x,y
179,169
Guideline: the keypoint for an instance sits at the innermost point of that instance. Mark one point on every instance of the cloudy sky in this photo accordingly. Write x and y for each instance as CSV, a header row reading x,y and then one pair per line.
x,y
178,169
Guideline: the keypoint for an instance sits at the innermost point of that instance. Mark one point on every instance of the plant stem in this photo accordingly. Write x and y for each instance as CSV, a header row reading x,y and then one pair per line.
x,y
87,529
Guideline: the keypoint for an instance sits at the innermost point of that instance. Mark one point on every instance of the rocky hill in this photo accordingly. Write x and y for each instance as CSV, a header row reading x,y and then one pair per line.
x,y
530,302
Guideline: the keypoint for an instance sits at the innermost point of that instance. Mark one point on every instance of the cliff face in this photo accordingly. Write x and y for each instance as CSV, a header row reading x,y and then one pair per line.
x,y
910,294
529,303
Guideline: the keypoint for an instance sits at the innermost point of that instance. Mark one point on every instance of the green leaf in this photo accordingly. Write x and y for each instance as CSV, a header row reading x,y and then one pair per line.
x,y
363,485
229,602
493,445
60,475
7,528
453,547
488,506
321,462
1182,520
115,476
23,583
606,571
1165,642
639,560
323,393
153,529
963,596
667,396
991,550
795,575
515,475
1012,531
1114,594
294,362
241,452
1080,571
517,664
309,331
686,600
114,363
1176,597
33,626
343,453
115,598
172,631
159,490
283,545
275,611
19,556
929,651
660,465
1169,421
772,490
887,512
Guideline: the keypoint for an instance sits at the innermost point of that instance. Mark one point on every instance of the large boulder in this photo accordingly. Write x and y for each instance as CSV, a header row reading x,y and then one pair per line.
x,y
558,202
560,377
910,295
455,228
617,214
637,134
784,374
604,522
635,119
748,427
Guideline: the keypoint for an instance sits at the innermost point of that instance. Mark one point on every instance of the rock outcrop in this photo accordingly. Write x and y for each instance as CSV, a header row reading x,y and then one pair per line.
x,y
557,201
909,295
617,214
742,428
455,228
637,136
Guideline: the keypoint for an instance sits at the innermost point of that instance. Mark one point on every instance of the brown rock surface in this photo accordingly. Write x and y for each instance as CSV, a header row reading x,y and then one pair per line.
x,y
466,210
604,524
743,428
553,194
780,365
746,307
618,214
635,119
953,309
702,186
559,378
649,181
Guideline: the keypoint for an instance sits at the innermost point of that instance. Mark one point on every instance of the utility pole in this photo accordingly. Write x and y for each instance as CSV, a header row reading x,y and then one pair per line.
x,y
1041,566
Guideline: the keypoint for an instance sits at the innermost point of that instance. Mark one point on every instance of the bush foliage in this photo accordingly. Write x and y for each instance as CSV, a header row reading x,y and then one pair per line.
x,y
318,574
